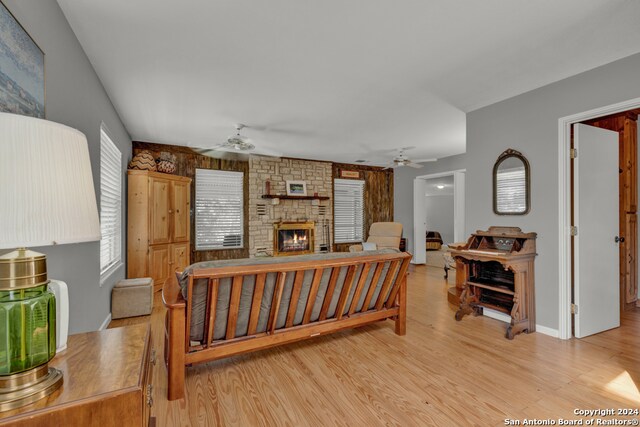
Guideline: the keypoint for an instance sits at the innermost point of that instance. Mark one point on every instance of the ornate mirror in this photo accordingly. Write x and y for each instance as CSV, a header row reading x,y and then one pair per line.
x,y
511,193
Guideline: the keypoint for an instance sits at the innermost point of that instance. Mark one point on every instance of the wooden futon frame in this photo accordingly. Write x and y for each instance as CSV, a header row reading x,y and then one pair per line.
x,y
180,352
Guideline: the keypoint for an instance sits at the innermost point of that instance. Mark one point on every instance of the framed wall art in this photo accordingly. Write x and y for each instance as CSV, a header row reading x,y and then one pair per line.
x,y
21,69
296,188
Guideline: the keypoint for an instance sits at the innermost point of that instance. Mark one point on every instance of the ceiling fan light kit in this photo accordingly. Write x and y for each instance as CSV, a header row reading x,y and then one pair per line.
x,y
238,142
401,160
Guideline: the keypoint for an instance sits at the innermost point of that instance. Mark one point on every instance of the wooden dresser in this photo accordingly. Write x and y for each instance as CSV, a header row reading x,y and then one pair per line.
x,y
496,271
107,382
159,227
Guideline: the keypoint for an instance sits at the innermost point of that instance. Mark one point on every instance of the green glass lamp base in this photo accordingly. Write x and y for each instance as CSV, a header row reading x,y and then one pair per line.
x,y
21,389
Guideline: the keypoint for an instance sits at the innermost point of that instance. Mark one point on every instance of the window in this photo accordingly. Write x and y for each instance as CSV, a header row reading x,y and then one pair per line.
x,y
110,204
348,210
219,209
511,192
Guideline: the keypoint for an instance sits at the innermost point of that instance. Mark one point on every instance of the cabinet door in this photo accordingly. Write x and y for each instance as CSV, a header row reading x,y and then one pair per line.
x,y
179,256
159,264
159,211
181,206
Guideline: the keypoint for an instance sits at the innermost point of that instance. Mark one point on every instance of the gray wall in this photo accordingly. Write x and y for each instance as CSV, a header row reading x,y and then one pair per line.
x,y
529,123
75,97
403,190
440,216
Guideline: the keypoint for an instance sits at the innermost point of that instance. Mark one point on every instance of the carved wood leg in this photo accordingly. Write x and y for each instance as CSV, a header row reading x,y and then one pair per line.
x,y
518,322
516,328
175,353
465,303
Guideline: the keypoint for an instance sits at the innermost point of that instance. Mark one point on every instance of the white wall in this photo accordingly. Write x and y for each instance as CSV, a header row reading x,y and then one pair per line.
x,y
75,96
440,216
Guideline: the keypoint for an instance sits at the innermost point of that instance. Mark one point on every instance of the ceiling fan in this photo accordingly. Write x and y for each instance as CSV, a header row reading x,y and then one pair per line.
x,y
237,142
237,146
402,160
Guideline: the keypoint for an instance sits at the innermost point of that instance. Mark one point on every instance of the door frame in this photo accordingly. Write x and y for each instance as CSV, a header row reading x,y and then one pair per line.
x,y
458,203
564,204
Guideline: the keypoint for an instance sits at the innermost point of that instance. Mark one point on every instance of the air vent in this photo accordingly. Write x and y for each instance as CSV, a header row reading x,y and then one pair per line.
x,y
261,209
322,210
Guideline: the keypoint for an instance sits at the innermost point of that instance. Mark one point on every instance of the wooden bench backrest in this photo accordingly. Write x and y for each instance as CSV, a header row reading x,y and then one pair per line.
x,y
398,265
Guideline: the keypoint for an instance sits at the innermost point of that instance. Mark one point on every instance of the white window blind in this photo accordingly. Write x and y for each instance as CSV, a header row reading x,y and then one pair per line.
x,y
348,210
510,190
219,209
110,204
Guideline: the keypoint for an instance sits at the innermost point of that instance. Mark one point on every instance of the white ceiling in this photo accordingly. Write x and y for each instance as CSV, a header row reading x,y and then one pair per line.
x,y
337,80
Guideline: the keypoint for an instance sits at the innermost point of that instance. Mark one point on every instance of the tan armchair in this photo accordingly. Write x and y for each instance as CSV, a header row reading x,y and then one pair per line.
x,y
384,235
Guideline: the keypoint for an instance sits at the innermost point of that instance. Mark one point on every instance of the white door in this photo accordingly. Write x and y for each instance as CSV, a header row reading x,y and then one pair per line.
x,y
597,280
419,221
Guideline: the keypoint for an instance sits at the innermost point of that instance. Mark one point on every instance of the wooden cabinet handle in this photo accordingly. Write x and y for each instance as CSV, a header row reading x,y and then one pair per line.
x,y
149,395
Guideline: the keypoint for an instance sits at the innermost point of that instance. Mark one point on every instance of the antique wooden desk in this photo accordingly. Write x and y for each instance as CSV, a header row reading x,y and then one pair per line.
x,y
498,273
107,382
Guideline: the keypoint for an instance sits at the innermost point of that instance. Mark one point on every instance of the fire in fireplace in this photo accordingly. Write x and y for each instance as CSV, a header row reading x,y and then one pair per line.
x,y
293,238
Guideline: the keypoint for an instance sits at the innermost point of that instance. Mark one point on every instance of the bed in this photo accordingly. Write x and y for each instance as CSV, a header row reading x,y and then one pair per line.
x,y
434,241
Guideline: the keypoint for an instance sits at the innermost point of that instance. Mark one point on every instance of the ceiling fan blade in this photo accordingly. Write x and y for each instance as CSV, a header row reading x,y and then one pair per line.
x,y
424,160
267,153
413,165
281,130
222,154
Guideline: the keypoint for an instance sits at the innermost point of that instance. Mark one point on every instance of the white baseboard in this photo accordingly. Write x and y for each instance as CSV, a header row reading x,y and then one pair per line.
x,y
106,322
548,331
493,314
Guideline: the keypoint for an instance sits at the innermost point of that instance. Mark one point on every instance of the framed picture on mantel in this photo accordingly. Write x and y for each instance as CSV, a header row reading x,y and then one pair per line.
x,y
296,188
21,69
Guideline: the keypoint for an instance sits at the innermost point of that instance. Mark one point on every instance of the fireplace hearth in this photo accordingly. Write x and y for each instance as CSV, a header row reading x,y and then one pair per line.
x,y
293,238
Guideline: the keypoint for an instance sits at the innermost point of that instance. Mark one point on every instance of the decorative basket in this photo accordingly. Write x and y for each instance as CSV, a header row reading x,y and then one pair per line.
x,y
166,162
143,161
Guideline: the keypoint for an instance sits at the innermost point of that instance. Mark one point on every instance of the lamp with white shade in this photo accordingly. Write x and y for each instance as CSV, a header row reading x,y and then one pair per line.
x,y
48,198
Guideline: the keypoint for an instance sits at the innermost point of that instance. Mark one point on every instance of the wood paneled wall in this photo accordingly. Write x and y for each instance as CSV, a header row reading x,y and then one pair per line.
x,y
187,161
378,196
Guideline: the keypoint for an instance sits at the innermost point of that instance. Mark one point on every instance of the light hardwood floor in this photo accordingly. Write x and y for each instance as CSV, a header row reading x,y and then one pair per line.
x,y
442,373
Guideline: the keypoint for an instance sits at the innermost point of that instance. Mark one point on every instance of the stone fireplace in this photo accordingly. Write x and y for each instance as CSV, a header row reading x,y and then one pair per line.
x,y
293,238
264,213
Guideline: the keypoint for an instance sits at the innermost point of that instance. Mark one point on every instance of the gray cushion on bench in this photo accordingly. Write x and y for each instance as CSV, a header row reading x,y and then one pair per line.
x,y
199,300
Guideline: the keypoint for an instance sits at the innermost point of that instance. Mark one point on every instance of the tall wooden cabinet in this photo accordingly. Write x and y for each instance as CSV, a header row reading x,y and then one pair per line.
x,y
158,225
